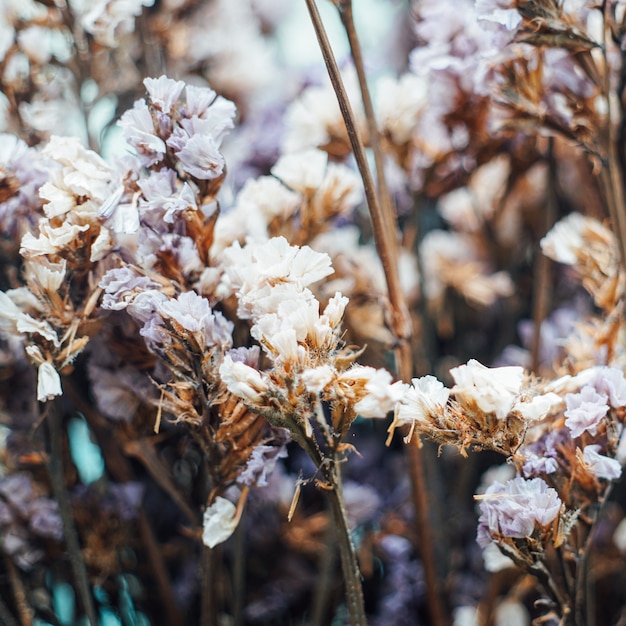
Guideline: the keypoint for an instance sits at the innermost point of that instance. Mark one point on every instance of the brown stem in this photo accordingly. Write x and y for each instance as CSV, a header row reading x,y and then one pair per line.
x,y
347,19
57,480
24,612
349,563
400,321
611,174
209,610
541,295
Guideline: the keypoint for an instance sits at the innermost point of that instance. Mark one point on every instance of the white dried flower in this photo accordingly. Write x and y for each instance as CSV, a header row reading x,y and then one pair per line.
x,y
302,171
219,522
242,380
537,407
48,382
422,401
565,240
495,390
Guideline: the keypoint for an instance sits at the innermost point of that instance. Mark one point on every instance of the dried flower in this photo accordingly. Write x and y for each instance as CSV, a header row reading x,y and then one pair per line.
x,y
585,410
492,390
516,509
219,522
600,465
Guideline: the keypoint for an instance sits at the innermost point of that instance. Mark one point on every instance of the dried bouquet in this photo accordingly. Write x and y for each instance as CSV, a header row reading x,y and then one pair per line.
x,y
318,345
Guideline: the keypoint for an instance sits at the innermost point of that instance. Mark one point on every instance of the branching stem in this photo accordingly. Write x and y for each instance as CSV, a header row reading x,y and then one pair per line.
x,y
383,226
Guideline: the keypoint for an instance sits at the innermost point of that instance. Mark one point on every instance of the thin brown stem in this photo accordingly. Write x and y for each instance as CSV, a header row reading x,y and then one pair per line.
x,y
57,480
399,318
349,563
347,19
400,322
209,612
24,611
541,295
611,175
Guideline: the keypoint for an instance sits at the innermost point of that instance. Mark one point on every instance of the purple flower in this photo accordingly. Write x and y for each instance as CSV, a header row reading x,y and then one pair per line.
x,y
17,490
199,155
248,356
163,92
610,381
585,410
600,465
262,463
541,457
44,519
139,131
193,313
121,285
515,509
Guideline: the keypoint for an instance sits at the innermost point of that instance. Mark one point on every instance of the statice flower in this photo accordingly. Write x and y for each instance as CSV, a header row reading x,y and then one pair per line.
x,y
516,509
262,463
601,465
422,402
109,20
219,522
541,457
192,130
254,269
585,410
25,519
492,390
23,170
191,314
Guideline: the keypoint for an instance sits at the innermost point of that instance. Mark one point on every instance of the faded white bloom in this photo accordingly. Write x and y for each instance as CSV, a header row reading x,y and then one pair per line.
x,y
315,379
219,522
423,401
565,241
250,269
493,390
50,240
537,407
399,104
371,390
302,171
108,20
242,380
47,276
48,382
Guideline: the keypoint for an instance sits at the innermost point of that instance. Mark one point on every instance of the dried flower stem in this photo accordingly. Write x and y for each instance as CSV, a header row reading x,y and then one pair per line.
x,y
542,288
349,563
24,612
611,175
386,246
209,612
57,480
347,18
400,321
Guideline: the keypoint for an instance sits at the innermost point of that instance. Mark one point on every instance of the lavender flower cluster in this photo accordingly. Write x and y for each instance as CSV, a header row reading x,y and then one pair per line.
x,y
189,271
